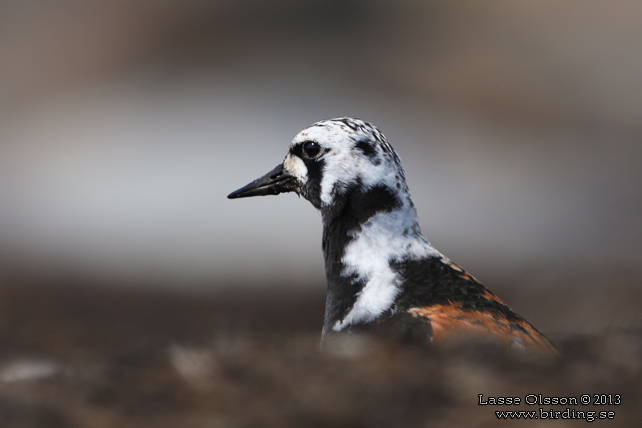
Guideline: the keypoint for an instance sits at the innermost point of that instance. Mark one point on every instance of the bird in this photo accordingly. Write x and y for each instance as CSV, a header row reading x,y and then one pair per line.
x,y
384,278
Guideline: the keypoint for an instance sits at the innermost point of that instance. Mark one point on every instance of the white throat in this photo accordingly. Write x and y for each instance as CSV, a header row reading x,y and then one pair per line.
x,y
386,237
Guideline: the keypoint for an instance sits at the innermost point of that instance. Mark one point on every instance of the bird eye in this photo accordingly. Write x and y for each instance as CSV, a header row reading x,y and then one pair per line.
x,y
311,149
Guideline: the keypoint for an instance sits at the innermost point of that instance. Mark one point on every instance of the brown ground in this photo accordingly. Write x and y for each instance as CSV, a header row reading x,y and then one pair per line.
x,y
122,358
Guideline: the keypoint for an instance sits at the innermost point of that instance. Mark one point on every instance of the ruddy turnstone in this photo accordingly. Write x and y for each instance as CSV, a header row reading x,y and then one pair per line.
x,y
384,277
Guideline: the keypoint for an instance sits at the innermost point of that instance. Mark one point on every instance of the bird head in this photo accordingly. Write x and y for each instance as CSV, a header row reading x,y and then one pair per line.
x,y
328,160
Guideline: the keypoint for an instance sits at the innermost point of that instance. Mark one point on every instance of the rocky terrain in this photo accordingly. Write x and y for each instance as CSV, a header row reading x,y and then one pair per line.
x,y
87,356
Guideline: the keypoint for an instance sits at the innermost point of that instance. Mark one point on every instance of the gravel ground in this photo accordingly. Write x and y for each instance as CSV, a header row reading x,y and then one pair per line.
x,y
78,356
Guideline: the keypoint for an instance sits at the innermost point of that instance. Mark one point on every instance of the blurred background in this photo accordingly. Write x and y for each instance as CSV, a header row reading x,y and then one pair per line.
x,y
124,125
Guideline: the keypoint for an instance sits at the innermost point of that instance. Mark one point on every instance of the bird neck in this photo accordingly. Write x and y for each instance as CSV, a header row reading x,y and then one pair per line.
x,y
363,234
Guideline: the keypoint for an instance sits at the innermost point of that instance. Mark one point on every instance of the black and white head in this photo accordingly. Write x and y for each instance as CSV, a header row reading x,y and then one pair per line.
x,y
328,160
347,169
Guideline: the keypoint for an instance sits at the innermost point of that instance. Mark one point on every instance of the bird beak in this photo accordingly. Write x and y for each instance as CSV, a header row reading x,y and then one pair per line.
x,y
274,182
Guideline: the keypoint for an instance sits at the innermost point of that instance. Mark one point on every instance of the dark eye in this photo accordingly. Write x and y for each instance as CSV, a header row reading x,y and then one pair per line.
x,y
311,149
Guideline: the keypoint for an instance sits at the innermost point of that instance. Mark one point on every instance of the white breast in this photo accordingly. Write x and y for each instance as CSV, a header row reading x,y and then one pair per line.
x,y
379,241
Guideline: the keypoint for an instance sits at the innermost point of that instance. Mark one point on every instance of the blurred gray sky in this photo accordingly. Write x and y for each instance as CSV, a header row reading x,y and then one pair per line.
x,y
124,124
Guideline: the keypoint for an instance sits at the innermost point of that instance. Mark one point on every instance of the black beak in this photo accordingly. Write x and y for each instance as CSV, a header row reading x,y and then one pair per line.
x,y
274,182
